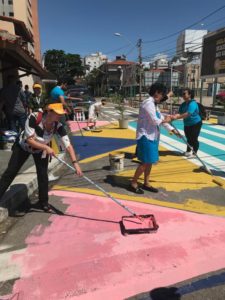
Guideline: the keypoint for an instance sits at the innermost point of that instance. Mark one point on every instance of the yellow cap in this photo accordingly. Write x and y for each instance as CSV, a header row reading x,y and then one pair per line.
x,y
57,108
37,86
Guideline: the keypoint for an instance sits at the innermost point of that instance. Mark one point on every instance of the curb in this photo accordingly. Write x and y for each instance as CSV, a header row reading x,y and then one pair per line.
x,y
24,185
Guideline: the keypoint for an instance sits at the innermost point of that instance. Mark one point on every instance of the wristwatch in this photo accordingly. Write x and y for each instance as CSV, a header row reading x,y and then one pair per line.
x,y
74,161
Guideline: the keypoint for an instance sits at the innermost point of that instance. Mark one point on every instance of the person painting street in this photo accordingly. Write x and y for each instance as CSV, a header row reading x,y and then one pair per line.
x,y
147,135
35,140
189,112
93,113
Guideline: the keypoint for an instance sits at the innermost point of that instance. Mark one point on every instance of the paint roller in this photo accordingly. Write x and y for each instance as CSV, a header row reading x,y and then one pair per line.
x,y
216,180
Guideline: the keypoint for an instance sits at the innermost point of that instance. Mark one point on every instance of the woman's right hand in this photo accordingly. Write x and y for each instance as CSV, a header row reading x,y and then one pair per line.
x,y
49,151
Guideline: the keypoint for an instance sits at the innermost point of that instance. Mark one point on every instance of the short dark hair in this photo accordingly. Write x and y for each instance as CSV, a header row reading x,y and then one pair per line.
x,y
190,92
62,81
157,87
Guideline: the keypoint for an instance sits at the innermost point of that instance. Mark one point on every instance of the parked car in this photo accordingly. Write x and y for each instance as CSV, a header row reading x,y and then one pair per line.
x,y
220,97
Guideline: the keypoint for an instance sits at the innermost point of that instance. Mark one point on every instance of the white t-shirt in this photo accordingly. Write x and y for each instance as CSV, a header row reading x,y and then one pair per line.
x,y
94,109
35,128
148,122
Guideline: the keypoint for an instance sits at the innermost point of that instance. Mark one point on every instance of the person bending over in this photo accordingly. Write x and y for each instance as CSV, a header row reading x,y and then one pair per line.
x,y
35,140
93,113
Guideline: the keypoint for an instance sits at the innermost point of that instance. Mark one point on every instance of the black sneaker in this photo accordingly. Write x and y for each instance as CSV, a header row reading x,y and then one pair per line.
x,y
150,188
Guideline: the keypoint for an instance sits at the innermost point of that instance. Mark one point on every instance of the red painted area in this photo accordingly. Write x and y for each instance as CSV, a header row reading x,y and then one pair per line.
x,y
84,254
74,127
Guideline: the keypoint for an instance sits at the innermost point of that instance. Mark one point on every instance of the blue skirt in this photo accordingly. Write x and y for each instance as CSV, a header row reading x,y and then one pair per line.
x,y
147,151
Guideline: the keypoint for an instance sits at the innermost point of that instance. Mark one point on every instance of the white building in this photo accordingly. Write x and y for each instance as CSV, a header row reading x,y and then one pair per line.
x,y
160,63
190,41
94,61
6,8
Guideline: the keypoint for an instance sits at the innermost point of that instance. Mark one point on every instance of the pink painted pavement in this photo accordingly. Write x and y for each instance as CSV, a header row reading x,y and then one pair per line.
x,y
83,254
75,127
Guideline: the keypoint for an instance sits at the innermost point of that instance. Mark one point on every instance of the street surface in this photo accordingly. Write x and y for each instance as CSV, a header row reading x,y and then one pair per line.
x,y
79,252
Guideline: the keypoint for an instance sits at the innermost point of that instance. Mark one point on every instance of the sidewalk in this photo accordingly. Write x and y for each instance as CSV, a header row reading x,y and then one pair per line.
x,y
25,183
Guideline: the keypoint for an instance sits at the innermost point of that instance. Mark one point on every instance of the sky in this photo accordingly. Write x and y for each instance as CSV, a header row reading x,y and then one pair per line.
x,y
87,26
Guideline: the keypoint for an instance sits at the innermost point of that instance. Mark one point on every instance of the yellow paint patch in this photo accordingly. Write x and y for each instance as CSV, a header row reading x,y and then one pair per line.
x,y
55,146
130,149
173,173
112,131
213,120
191,205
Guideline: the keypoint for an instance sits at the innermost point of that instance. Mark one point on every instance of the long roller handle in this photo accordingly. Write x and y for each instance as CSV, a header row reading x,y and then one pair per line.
x,y
202,162
100,188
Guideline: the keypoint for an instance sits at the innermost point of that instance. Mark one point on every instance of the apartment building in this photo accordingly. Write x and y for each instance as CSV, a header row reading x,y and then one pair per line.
x,y
20,40
94,61
27,12
189,42
6,8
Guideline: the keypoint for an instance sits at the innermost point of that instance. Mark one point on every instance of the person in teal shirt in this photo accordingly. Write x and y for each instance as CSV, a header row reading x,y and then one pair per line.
x,y
189,112
57,95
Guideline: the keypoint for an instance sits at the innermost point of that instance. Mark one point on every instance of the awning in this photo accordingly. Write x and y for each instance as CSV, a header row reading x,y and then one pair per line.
x,y
17,57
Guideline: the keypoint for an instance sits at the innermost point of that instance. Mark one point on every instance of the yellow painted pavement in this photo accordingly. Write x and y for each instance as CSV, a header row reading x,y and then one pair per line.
x,y
172,174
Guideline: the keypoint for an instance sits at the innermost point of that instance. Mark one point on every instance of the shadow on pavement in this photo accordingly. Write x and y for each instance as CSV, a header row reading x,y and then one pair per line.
x,y
162,293
56,211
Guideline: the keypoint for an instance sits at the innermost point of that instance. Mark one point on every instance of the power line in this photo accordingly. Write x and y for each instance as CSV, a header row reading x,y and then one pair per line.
x,y
196,23
115,50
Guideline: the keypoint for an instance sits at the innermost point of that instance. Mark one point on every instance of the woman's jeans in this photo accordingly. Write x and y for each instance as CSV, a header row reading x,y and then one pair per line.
x,y
18,158
192,133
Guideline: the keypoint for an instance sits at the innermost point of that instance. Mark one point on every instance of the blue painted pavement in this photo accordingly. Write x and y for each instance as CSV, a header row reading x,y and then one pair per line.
x,y
92,146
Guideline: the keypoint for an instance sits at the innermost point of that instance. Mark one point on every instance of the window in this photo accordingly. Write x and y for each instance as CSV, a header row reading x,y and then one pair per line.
x,y
2,1
11,14
10,2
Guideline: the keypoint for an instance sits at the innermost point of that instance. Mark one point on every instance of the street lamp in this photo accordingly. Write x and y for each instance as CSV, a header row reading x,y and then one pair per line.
x,y
139,46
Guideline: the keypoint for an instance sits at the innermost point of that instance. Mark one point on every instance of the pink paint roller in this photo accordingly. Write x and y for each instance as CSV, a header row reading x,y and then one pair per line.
x,y
129,224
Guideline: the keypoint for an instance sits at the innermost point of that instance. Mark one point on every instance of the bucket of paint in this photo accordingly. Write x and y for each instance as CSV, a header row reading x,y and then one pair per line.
x,y
116,160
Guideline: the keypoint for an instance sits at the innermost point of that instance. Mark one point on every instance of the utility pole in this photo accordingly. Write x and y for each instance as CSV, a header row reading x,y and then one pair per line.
x,y
171,87
139,46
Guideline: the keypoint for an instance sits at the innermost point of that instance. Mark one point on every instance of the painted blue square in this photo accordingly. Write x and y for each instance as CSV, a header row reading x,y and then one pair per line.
x,y
91,146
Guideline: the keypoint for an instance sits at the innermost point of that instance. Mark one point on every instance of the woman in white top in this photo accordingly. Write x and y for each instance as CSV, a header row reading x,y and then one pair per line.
x,y
148,133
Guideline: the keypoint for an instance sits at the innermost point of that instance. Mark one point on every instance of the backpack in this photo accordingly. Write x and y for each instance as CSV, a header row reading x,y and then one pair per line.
x,y
39,119
201,109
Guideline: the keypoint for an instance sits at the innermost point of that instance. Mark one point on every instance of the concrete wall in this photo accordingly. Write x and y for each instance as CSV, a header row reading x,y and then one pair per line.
x,y
7,26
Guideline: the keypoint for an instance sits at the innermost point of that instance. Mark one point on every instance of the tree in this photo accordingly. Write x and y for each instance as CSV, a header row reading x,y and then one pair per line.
x,y
63,65
94,81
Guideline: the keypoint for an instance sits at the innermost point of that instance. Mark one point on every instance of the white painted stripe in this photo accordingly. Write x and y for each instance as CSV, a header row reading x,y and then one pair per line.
x,y
174,145
131,111
220,127
221,135
208,142
8,269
